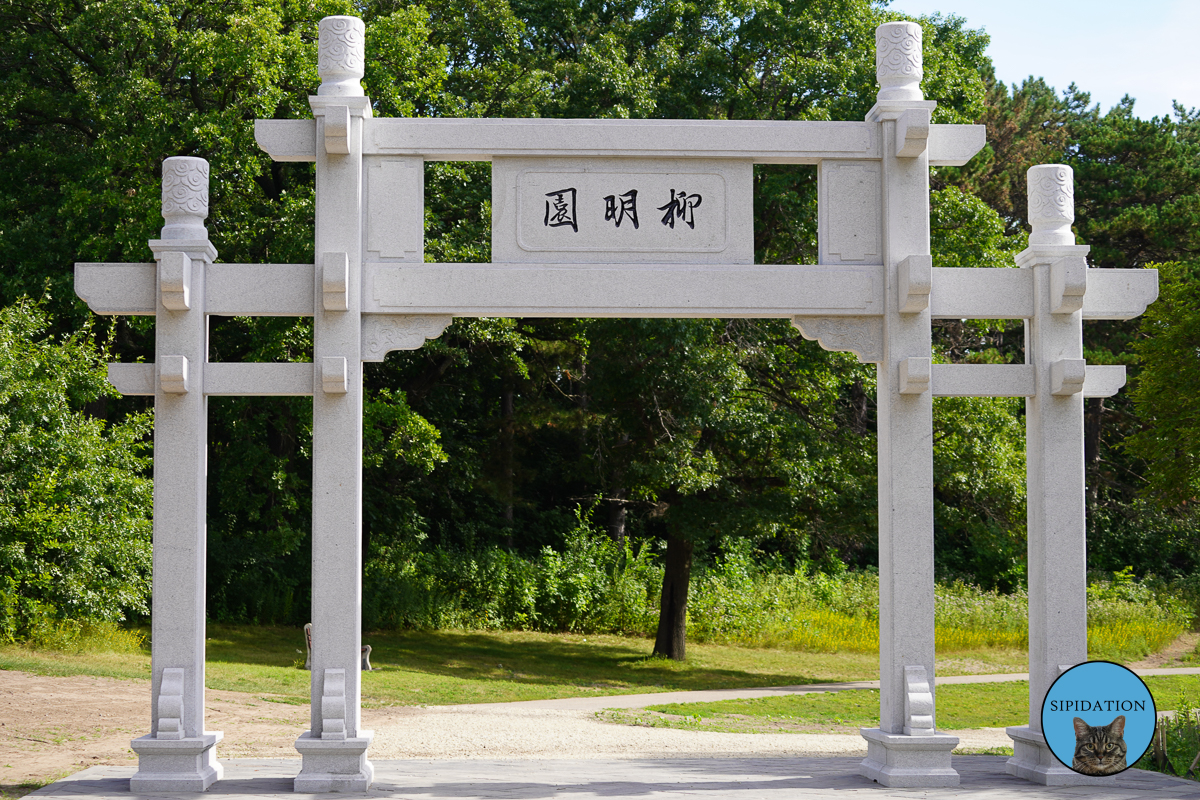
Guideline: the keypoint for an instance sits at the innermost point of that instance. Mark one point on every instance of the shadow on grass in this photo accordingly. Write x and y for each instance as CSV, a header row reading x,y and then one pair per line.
x,y
593,664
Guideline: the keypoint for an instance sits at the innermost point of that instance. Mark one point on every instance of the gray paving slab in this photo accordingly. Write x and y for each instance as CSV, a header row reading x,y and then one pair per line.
x,y
663,779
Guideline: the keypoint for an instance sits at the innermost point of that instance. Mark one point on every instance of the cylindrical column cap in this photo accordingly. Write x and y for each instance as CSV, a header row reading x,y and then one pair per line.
x,y
1051,189
341,54
184,197
898,61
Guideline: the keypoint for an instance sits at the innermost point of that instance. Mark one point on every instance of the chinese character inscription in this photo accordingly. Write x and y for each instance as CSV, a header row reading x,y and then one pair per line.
x,y
561,209
592,210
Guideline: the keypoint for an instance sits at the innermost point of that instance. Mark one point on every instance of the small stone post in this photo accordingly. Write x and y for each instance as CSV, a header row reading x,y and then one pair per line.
x,y
334,749
178,755
905,750
1057,561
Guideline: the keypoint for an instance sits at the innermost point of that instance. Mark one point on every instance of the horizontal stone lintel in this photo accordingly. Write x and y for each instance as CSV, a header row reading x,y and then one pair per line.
x,y
628,290
999,293
760,141
1014,380
623,290
224,379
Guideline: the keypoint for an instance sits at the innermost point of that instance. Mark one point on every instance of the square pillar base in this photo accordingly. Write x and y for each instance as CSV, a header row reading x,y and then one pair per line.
x,y
334,765
909,762
176,765
1033,761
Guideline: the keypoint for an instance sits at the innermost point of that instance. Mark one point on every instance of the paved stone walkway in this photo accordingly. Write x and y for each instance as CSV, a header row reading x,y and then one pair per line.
x,y
713,695
662,779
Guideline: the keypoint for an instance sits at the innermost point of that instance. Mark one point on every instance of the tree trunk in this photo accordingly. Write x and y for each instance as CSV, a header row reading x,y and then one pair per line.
x,y
506,452
672,615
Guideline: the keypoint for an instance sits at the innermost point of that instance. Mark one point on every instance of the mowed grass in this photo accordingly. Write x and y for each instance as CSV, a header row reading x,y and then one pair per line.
x,y
959,706
450,667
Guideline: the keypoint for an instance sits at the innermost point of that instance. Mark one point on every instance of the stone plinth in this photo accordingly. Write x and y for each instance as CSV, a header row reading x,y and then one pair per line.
x,y
334,765
175,765
1033,761
902,761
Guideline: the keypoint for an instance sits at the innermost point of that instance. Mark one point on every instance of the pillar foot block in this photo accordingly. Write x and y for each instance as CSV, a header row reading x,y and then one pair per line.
x,y
904,761
1033,761
176,765
334,765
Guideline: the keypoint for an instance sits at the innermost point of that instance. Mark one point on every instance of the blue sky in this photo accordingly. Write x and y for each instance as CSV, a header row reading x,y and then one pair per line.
x,y
1145,48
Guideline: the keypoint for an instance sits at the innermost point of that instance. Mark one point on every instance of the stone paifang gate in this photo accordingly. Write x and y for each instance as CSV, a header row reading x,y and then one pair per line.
x,y
615,218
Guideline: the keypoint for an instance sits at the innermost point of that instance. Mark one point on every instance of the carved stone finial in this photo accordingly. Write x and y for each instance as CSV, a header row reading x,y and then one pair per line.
x,y
1051,189
341,54
184,197
898,61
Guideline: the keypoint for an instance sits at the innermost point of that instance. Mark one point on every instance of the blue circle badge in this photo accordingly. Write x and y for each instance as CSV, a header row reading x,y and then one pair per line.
x,y
1098,718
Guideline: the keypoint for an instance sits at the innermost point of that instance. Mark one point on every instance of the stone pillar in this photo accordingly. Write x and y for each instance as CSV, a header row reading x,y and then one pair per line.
x,y
334,749
905,750
178,755
1057,561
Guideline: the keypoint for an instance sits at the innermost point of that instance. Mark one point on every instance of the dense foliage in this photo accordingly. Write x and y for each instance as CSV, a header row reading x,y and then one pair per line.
x,y
75,516
481,447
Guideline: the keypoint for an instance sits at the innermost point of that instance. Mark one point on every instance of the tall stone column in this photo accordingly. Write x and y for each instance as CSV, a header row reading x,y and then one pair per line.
x,y
1057,560
178,755
334,749
905,750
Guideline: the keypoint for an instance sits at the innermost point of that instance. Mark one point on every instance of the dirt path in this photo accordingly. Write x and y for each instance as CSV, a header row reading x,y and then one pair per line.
x,y
51,726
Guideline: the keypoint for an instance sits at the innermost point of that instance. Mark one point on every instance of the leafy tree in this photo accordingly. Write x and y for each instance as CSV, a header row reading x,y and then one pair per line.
x,y
75,516
1167,387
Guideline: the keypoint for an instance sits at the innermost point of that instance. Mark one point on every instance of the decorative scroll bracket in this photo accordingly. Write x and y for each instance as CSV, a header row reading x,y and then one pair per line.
x,y
170,704
173,374
914,283
1067,376
918,703
333,705
334,375
335,281
383,333
1068,283
912,133
862,336
915,375
175,280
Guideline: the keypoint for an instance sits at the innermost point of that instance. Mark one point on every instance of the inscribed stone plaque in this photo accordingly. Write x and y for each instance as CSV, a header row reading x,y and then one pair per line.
x,y
848,212
622,210
395,209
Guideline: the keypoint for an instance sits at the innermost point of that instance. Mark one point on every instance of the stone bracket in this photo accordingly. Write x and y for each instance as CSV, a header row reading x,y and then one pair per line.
x,y
335,281
914,280
918,701
334,375
912,132
337,130
381,334
915,375
170,704
1068,283
862,336
1067,376
175,280
173,374
333,705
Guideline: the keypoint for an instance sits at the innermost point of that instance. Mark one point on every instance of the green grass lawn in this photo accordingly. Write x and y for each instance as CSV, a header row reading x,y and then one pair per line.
x,y
446,667
959,706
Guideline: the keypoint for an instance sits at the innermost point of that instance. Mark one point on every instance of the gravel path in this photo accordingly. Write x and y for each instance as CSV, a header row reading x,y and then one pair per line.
x,y
498,732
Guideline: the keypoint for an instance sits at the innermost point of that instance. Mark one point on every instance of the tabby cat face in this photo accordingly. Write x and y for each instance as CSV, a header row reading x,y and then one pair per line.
x,y
1100,749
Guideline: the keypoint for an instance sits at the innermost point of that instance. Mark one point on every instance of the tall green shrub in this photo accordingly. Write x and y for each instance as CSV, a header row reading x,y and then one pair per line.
x,y
75,493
